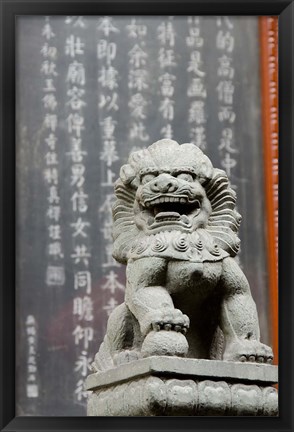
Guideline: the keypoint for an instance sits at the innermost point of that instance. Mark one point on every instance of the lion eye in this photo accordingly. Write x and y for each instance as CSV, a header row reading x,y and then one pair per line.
x,y
147,178
185,176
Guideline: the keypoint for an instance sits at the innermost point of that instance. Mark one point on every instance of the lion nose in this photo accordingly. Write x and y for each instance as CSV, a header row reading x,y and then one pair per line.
x,y
164,183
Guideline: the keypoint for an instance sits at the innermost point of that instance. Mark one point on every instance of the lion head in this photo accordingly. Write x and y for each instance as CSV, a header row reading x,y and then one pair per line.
x,y
168,187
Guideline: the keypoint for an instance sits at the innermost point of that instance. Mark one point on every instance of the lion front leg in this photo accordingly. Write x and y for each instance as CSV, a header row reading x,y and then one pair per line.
x,y
239,320
162,326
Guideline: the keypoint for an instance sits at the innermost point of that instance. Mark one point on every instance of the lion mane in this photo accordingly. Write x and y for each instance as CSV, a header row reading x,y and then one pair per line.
x,y
223,222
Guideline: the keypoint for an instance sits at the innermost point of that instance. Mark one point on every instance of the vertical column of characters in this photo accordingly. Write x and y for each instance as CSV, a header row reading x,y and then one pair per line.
x,y
55,274
137,83
108,104
196,90
167,63
225,44
32,386
75,104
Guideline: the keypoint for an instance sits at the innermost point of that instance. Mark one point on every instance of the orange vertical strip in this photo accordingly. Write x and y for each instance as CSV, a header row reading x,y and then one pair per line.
x,y
269,96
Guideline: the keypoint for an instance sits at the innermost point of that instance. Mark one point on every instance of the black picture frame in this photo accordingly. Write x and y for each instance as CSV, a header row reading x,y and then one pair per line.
x,y
9,10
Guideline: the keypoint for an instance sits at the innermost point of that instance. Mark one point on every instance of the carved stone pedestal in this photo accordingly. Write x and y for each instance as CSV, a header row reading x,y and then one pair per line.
x,y
172,386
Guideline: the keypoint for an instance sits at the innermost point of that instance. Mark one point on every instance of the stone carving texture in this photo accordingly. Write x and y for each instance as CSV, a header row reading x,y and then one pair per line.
x,y
176,229
173,397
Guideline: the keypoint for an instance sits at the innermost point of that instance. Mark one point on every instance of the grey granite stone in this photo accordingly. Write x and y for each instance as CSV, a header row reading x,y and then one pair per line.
x,y
187,332
171,386
197,368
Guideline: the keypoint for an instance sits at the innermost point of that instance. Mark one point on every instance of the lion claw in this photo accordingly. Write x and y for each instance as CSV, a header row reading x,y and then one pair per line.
x,y
248,351
169,327
170,320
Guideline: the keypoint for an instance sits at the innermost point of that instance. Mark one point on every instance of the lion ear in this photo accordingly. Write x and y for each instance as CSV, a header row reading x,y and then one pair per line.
x,y
128,176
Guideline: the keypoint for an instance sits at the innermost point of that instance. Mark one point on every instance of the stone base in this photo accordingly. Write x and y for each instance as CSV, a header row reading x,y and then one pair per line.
x,y
173,386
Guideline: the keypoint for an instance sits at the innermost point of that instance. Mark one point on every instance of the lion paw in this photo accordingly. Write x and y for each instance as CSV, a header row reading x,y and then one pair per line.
x,y
248,351
168,319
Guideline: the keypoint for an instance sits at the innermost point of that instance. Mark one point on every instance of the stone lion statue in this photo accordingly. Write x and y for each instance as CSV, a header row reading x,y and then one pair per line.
x,y
175,227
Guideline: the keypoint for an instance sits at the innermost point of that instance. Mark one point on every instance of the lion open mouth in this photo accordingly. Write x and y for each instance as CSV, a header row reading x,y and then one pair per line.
x,y
171,209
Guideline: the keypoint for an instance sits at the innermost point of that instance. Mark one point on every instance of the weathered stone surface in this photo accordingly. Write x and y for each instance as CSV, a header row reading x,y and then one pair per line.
x,y
159,365
176,228
175,386
214,398
246,399
270,398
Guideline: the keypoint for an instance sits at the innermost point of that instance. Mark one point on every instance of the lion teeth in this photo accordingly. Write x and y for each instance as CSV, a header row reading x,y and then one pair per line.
x,y
166,200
